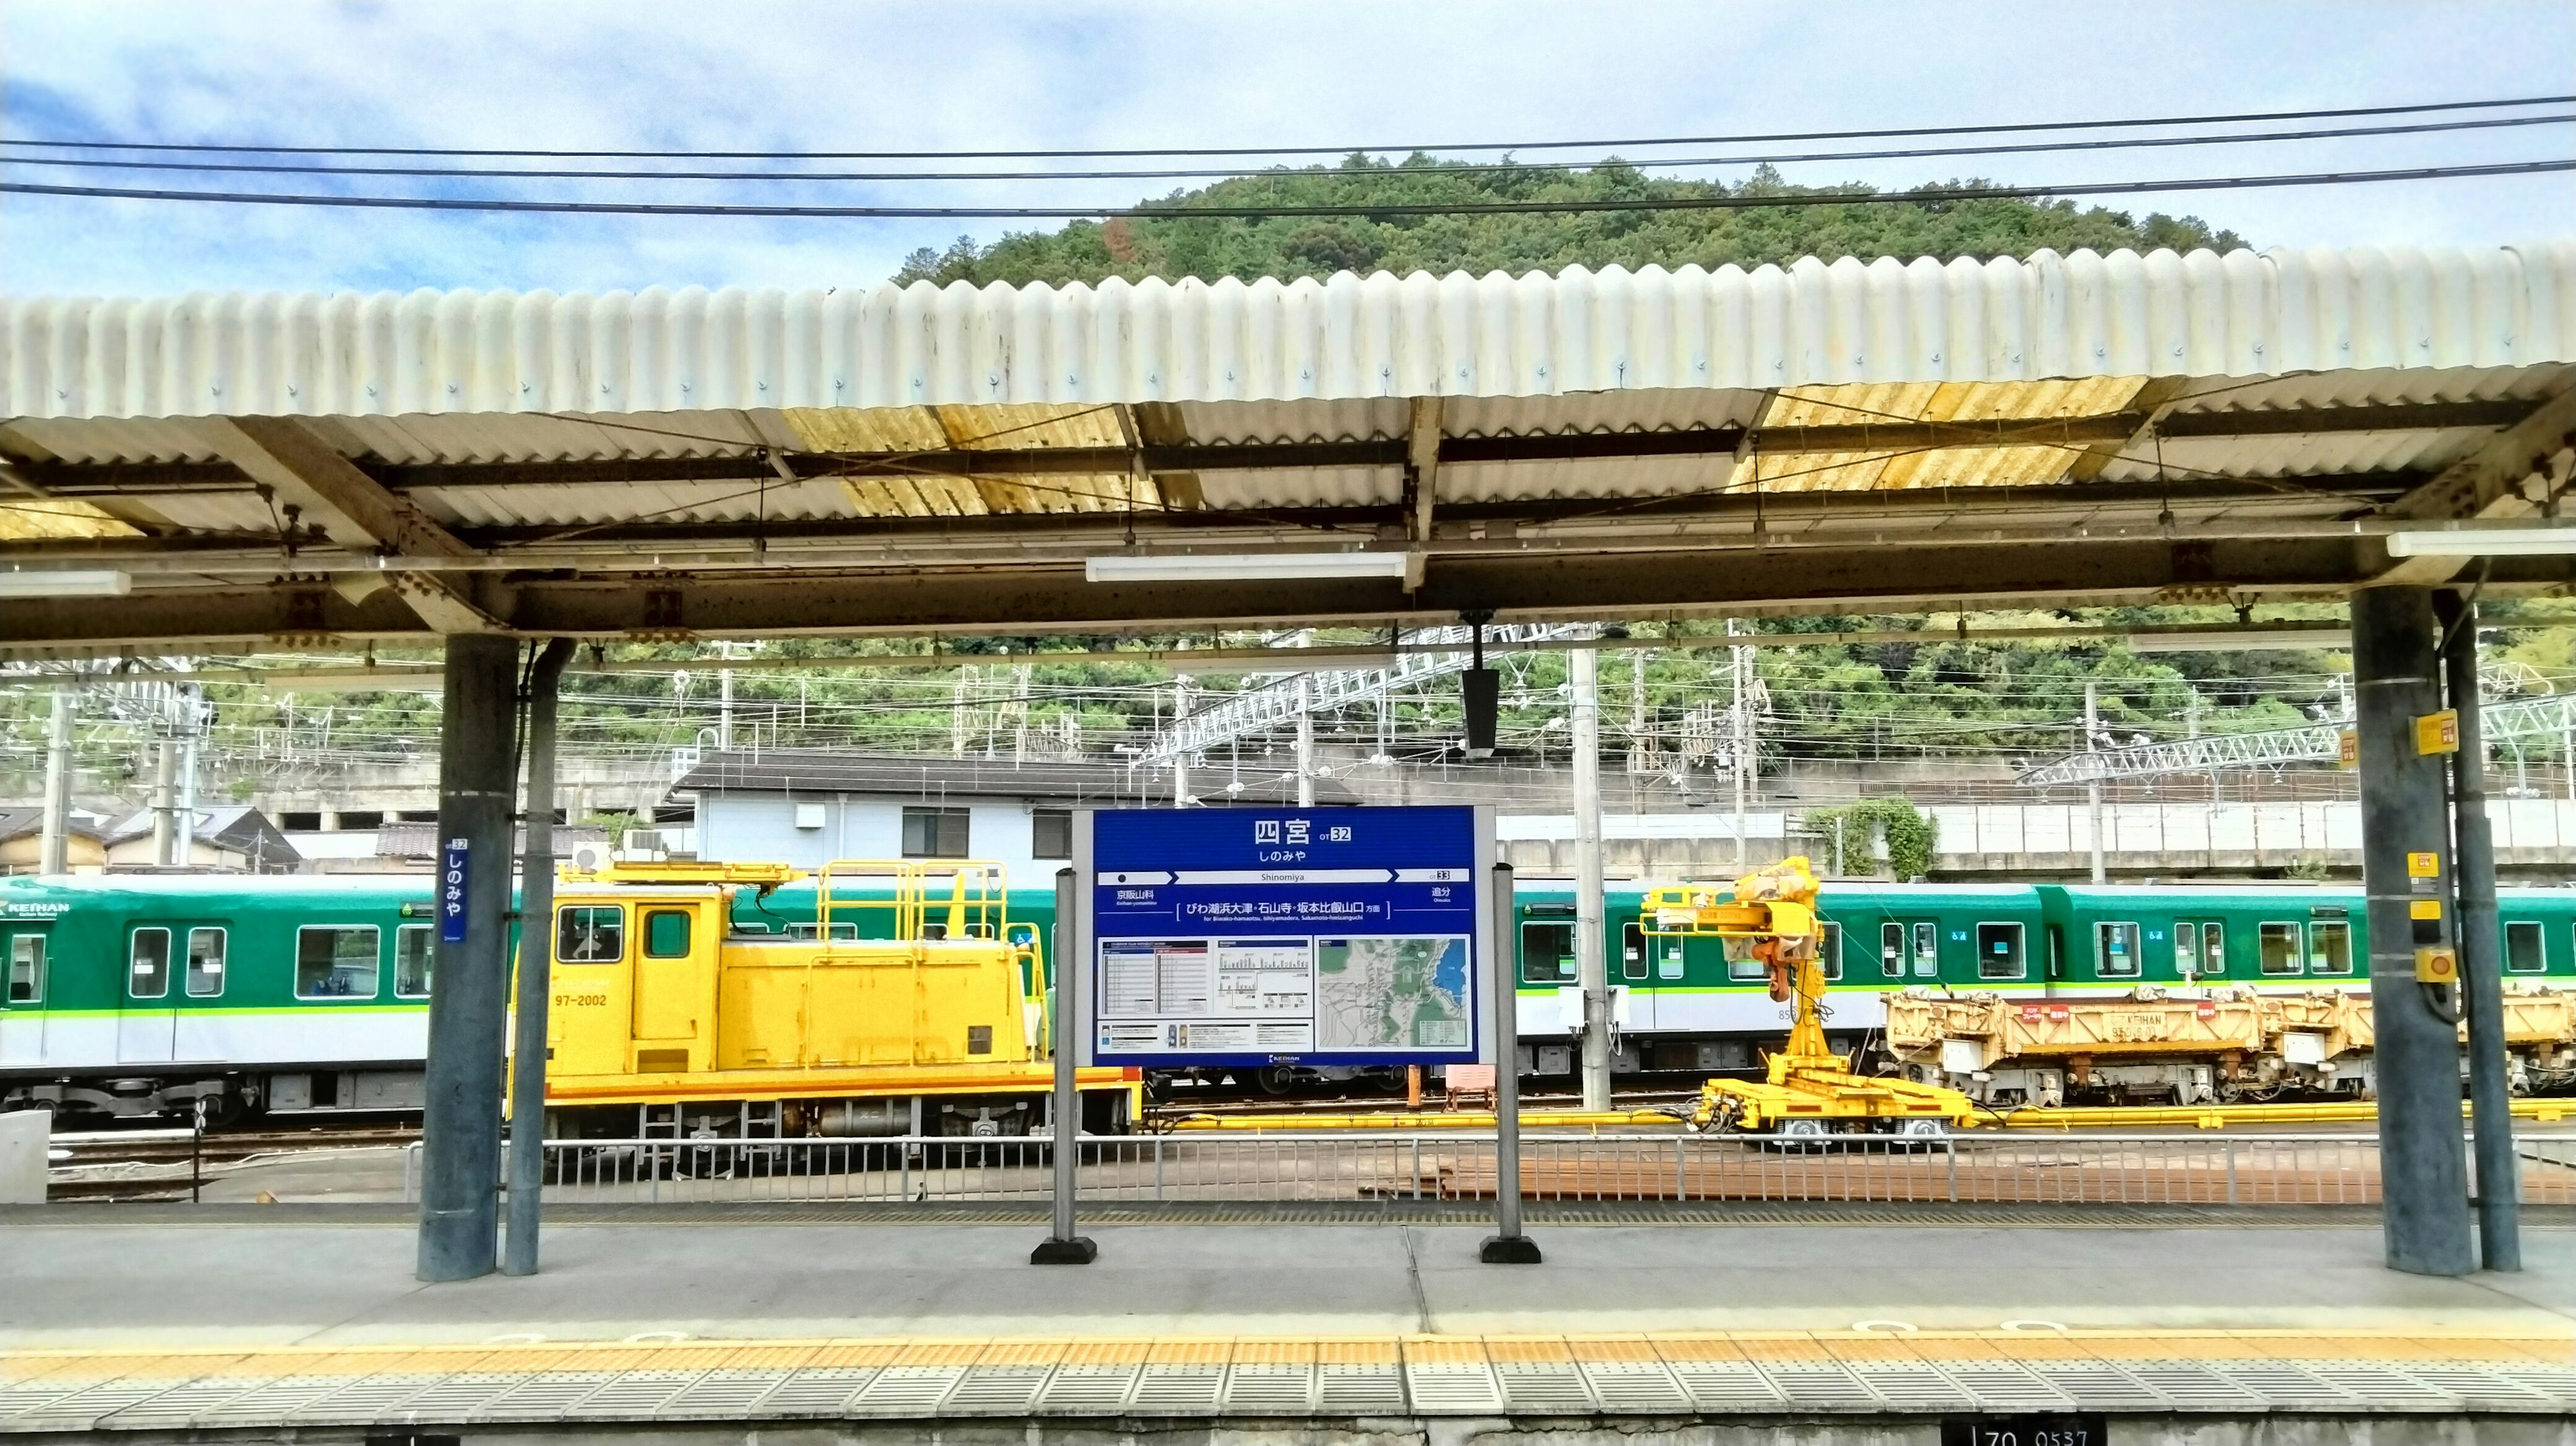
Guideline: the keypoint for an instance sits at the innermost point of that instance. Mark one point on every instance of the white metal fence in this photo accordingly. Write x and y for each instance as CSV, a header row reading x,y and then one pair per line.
x,y
2162,1169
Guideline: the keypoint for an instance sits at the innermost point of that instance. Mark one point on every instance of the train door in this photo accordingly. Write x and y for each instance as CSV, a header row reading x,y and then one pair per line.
x,y
1909,949
22,997
2200,949
670,986
147,1024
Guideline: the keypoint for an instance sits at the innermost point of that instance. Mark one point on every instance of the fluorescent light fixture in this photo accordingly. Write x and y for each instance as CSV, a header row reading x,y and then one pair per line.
x,y
49,582
1243,567
2485,542
2239,640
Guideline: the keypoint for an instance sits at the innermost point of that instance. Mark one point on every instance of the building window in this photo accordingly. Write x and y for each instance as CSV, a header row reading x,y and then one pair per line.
x,y
590,934
1999,952
336,961
2118,943
2278,947
1051,833
934,833
205,963
147,964
1547,952
413,956
27,969
2330,946
666,933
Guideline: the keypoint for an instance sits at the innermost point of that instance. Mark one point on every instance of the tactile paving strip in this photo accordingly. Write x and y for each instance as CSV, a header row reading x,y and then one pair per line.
x,y
1756,1374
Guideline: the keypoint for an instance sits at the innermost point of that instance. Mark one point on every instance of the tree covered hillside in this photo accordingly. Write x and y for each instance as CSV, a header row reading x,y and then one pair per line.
x,y
1289,246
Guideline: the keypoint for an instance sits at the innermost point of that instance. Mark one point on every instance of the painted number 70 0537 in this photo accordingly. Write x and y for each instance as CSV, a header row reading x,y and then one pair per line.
x,y
575,1001
2025,1431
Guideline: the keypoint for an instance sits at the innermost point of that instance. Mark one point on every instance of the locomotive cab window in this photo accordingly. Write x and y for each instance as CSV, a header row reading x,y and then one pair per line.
x,y
2278,947
413,955
336,961
2117,946
2000,952
27,969
590,934
205,963
666,933
2330,946
147,964
1632,950
2522,947
1547,952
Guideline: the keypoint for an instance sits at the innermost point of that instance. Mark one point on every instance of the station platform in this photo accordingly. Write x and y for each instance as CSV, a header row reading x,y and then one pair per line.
x,y
171,1321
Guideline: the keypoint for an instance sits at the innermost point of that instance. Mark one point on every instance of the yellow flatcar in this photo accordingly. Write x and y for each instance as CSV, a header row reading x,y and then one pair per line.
x,y
910,1007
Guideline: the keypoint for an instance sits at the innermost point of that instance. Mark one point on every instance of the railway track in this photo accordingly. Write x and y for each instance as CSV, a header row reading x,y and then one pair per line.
x,y
163,1147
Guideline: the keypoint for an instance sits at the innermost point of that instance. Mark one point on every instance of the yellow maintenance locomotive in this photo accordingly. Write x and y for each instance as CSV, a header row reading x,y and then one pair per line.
x,y
909,1004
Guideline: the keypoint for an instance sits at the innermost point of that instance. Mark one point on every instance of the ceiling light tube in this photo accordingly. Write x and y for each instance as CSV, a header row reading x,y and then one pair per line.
x,y
64,582
2240,640
1243,567
2485,542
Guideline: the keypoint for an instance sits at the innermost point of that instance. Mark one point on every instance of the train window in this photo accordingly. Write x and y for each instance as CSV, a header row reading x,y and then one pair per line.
x,y
413,956
2330,946
205,963
590,934
1833,947
2278,947
2522,948
1891,950
1547,952
844,930
147,974
1743,970
2186,949
336,961
666,933
1927,950
27,969
1999,952
2119,957
2213,949
1632,950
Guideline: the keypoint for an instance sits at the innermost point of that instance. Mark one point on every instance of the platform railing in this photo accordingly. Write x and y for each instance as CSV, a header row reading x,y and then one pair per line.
x,y
2013,1169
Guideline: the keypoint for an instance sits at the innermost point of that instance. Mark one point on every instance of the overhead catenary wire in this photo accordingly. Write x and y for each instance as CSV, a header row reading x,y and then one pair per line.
x,y
1771,138
90,161
1737,201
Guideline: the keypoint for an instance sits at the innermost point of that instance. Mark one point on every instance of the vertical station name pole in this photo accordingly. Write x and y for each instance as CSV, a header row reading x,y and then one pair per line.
x,y
1507,1246
1063,1247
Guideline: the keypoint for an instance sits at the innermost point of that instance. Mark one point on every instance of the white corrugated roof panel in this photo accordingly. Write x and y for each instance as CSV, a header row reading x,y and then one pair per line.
x,y
1810,324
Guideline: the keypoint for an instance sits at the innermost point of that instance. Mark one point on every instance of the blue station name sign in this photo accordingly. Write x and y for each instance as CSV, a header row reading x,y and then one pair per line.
x,y
1241,936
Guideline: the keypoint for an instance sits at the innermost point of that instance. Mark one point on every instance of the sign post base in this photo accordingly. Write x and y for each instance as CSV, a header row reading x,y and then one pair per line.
x,y
1077,1251
1508,1250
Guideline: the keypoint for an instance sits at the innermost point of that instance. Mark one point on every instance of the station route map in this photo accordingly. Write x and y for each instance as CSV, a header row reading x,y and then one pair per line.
x,y
1382,993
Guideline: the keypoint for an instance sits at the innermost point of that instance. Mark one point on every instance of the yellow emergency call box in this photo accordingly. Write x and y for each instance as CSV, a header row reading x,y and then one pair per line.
x,y
2436,966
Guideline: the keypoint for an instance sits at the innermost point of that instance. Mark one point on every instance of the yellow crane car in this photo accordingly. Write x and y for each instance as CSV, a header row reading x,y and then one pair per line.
x,y
1809,1090
910,1006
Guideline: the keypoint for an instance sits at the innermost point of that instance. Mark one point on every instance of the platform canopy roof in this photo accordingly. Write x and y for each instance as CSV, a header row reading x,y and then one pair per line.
x,y
314,469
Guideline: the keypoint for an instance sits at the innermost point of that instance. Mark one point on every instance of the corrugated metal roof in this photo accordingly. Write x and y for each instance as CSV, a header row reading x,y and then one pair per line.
x,y
1811,324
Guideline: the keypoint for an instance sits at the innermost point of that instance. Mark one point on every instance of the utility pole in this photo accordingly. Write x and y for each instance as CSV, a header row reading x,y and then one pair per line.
x,y
1592,958
54,857
2093,788
1180,759
165,802
1305,740
189,709
724,702
1742,743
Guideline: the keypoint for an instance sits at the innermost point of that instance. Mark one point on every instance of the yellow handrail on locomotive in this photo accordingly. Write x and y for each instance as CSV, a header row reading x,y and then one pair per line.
x,y
977,905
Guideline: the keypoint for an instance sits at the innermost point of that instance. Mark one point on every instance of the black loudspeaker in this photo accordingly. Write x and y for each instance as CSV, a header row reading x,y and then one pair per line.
x,y
1482,691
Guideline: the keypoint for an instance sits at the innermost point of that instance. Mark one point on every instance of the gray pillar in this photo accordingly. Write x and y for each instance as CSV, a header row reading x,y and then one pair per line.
x,y
1591,953
536,966
2481,951
2424,1212
1305,740
461,1120
54,854
2093,789
165,801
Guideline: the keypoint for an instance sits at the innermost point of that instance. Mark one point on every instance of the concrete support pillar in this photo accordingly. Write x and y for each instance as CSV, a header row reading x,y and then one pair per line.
x,y
1305,741
2423,1172
2481,950
2093,789
461,1120
165,801
53,855
536,966
1180,761
1592,956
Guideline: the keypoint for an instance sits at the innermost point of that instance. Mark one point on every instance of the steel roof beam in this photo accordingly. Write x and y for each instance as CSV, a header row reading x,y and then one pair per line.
x,y
2514,475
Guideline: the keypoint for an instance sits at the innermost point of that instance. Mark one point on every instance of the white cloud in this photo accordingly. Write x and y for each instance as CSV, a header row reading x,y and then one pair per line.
x,y
939,77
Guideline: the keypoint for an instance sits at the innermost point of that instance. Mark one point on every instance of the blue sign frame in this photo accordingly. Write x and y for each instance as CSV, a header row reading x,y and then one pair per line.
x,y
1260,936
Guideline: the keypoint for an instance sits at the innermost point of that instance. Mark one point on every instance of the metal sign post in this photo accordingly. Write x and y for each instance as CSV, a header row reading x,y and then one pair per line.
x,y
1065,1140
1507,1246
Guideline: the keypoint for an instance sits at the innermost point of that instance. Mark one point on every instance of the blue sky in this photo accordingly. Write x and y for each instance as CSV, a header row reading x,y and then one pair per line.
x,y
748,76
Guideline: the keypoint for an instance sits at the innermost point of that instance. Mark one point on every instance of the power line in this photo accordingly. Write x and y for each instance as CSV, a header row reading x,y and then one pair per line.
x,y
1738,202
1779,137
1482,168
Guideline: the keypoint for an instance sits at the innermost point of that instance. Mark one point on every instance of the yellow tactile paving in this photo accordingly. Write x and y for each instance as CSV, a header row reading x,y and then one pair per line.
x,y
1191,1352
1445,1350
868,1355
1362,1351
1697,1348
1020,1353
1107,1353
1610,1348
942,1353
1274,1353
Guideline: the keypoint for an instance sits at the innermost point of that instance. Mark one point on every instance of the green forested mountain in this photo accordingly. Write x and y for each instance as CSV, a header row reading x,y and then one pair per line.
x,y
1213,247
